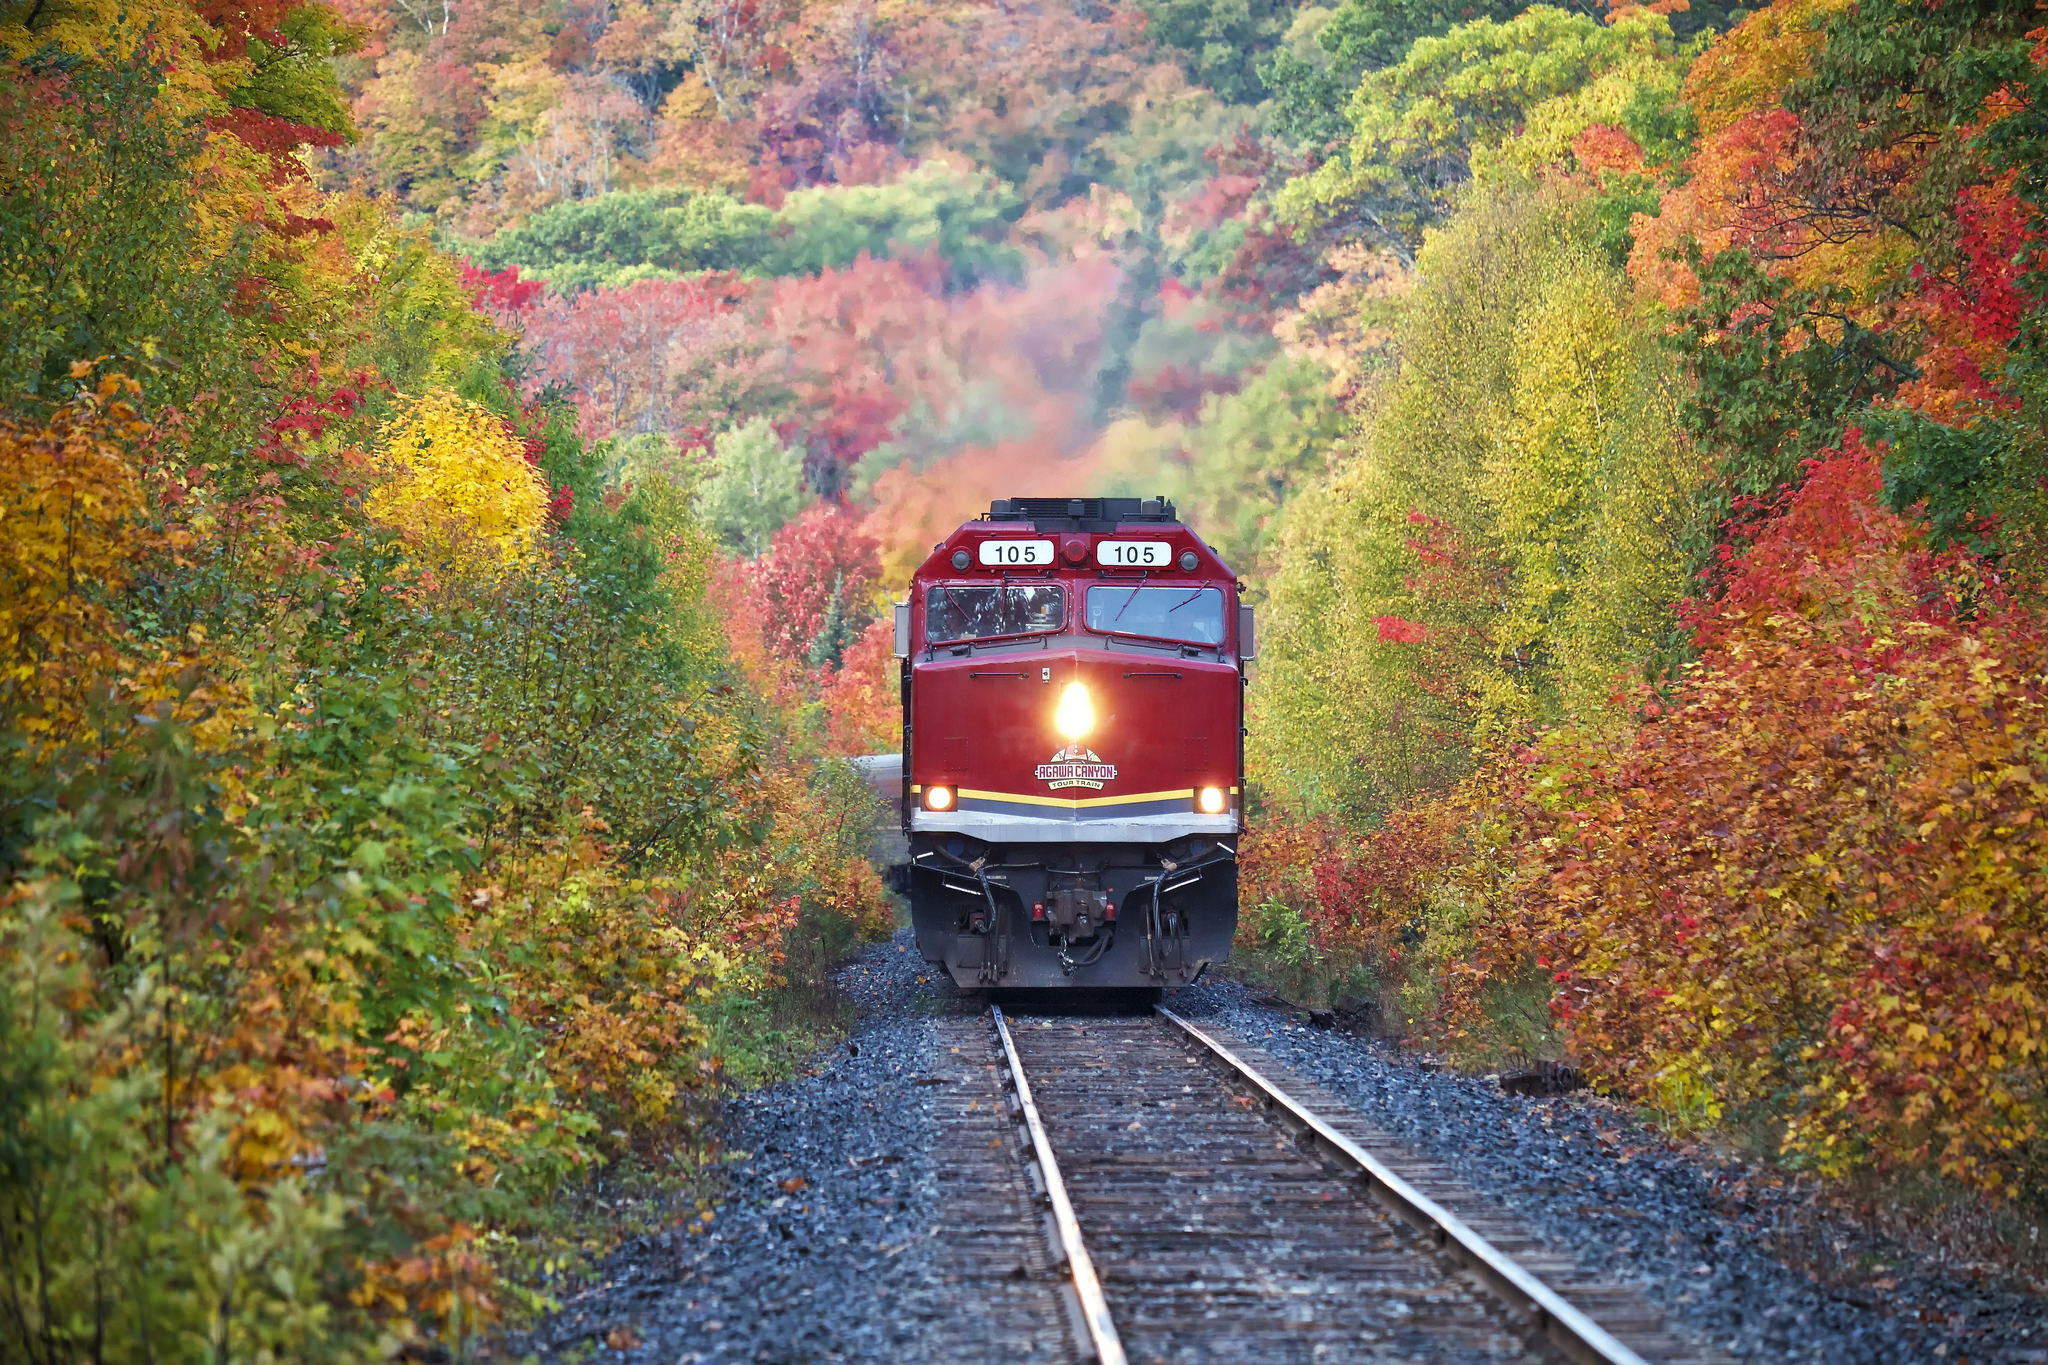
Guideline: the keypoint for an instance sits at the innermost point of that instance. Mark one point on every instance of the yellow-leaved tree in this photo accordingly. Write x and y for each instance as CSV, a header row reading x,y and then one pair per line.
x,y
458,485
1498,550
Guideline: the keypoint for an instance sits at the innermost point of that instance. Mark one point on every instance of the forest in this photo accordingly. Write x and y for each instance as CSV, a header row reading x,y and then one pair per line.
x,y
457,457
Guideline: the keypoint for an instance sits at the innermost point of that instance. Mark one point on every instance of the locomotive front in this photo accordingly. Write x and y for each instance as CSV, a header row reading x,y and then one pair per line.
x,y
1073,702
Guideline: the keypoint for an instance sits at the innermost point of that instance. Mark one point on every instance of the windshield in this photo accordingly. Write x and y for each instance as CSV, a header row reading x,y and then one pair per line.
x,y
1192,615
981,611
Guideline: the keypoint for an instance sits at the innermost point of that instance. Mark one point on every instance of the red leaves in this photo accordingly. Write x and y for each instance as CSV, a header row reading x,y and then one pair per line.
x,y
277,139
1837,558
1395,631
1360,892
821,554
501,292
1971,320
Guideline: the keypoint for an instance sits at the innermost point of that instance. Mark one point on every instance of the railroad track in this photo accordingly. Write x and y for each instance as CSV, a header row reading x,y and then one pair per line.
x,y
1194,1210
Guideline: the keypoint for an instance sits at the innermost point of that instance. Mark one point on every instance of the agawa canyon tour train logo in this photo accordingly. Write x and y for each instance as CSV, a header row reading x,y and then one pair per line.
x,y
1076,766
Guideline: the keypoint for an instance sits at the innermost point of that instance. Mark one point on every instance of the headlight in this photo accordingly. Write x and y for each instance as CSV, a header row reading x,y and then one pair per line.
x,y
1209,800
1076,716
938,798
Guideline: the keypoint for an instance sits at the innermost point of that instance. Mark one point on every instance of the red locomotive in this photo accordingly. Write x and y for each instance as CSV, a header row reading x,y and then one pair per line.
x,y
1073,746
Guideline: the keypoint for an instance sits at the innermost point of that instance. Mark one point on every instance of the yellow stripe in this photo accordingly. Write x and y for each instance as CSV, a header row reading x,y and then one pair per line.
x,y
1028,799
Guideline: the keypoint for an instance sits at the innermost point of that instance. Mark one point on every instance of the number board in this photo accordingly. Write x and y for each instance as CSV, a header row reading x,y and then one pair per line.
x,y
1133,554
1004,554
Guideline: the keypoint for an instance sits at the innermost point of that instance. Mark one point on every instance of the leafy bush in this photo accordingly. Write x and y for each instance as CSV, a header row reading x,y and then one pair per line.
x,y
458,485
1808,888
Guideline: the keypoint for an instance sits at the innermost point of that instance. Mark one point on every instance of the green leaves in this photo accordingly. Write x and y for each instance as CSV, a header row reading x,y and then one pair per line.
x,y
1517,92
755,486
294,80
613,239
1501,546
1219,42
581,243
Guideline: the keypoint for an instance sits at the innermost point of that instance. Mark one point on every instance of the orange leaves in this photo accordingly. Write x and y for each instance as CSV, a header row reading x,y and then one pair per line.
x,y
1936,1053
1604,147
609,971
1747,70
1819,875
1734,197
863,708
74,526
444,1280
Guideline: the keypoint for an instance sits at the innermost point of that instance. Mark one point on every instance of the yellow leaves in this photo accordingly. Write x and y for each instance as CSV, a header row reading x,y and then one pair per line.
x,y
76,528
1747,70
458,486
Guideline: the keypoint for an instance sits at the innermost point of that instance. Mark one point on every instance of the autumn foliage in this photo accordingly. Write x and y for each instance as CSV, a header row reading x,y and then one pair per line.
x,y
457,459
1818,870
383,817
1771,862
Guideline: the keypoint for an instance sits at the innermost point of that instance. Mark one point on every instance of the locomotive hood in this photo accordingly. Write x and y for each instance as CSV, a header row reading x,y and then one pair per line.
x,y
1073,675
1160,731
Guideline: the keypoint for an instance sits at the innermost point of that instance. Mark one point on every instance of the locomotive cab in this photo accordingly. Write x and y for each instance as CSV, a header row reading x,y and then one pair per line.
x,y
1073,699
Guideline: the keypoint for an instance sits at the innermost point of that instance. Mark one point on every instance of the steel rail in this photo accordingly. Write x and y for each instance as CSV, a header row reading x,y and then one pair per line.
x,y
1109,1348
1569,1329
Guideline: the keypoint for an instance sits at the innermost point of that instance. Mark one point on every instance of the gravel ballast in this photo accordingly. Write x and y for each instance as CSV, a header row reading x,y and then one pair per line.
x,y
1692,1229
820,1247
825,1242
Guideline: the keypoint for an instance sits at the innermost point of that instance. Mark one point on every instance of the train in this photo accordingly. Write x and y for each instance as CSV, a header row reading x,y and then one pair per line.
x,y
1073,675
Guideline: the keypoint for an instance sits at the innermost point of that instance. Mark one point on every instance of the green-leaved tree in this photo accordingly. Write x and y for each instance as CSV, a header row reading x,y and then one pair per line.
x,y
755,486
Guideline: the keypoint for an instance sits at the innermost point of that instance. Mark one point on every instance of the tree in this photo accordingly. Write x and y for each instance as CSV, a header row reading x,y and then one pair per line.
x,y
1252,451
754,487
1327,52
961,215
815,585
1504,542
622,351
459,486
577,243
1219,42
1516,92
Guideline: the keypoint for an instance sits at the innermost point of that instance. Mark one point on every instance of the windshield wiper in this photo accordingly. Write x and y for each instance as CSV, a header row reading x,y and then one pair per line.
x,y
1127,603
